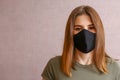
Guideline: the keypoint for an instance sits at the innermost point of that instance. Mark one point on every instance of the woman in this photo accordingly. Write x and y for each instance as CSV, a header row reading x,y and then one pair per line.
x,y
84,56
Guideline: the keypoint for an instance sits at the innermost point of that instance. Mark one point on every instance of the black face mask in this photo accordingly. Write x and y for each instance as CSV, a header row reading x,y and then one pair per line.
x,y
84,41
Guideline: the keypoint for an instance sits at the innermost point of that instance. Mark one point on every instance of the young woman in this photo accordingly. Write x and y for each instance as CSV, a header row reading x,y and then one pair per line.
x,y
84,56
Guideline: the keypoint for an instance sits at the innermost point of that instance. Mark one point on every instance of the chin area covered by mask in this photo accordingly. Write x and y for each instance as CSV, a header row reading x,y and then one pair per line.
x,y
84,41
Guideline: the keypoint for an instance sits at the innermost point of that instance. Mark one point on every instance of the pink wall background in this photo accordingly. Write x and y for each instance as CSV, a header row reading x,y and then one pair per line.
x,y
32,32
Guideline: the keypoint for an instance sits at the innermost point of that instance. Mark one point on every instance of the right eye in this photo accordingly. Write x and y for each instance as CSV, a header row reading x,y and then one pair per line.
x,y
77,29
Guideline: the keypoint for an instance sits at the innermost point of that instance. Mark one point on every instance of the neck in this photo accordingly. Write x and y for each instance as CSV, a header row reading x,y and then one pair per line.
x,y
82,58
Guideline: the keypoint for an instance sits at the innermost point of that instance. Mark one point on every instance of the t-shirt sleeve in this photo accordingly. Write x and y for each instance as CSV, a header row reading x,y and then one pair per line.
x,y
118,77
117,71
48,72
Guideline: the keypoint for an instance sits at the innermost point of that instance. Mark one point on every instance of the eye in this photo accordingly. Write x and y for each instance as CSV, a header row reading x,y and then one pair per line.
x,y
92,27
77,28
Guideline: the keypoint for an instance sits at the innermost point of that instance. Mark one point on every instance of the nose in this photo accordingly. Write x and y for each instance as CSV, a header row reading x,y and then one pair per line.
x,y
85,27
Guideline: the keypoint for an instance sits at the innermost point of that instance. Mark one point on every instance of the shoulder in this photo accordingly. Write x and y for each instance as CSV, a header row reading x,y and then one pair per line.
x,y
51,68
112,61
114,68
55,60
113,64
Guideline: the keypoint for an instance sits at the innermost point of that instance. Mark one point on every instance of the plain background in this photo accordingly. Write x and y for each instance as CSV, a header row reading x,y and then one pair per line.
x,y
32,32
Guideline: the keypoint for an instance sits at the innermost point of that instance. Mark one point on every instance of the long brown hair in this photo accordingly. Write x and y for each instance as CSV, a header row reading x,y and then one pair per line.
x,y
100,56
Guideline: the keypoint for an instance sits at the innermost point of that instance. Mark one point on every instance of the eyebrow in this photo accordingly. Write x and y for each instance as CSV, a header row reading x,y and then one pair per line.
x,y
91,25
81,25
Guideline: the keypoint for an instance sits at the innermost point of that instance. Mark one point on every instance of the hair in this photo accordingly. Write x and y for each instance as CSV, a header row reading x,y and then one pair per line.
x,y
100,56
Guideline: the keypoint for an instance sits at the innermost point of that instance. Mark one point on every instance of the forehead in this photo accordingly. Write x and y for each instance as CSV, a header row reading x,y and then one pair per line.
x,y
83,20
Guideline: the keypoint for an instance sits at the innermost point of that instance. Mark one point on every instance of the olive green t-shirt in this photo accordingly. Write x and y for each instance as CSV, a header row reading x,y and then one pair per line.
x,y
53,71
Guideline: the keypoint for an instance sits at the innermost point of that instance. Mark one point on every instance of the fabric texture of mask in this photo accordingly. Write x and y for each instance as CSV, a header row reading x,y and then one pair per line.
x,y
84,41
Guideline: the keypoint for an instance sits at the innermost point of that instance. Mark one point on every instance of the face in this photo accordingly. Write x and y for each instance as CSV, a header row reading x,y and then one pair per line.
x,y
83,22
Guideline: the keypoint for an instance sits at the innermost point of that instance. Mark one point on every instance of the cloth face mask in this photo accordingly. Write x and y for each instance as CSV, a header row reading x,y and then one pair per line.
x,y
84,41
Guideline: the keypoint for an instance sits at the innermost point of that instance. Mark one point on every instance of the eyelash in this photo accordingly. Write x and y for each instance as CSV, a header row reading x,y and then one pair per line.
x,y
77,29
91,27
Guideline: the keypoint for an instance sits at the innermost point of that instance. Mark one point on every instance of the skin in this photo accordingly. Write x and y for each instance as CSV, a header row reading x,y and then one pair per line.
x,y
83,22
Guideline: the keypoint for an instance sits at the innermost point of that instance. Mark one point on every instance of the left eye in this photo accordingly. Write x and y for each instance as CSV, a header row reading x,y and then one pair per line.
x,y
91,27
